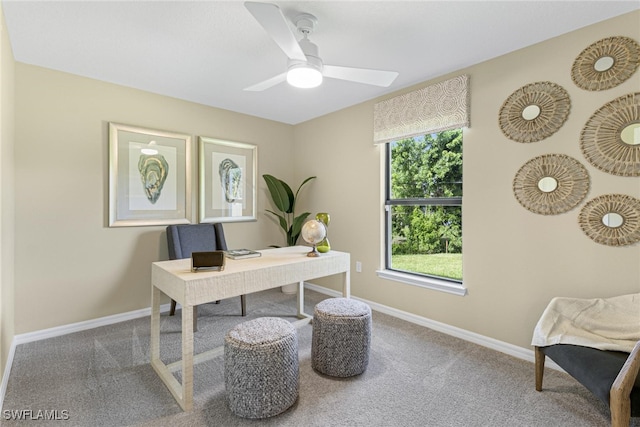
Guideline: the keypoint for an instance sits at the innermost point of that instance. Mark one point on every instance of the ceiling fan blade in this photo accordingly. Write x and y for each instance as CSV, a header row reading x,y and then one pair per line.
x,y
271,18
267,83
360,75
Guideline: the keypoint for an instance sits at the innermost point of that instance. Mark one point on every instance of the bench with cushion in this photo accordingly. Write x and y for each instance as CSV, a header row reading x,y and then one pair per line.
x,y
610,375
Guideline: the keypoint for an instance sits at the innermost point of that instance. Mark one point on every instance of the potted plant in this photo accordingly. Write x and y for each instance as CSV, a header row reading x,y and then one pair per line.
x,y
285,202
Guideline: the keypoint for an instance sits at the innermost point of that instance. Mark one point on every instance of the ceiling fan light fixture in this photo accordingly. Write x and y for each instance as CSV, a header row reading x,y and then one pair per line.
x,y
305,67
304,76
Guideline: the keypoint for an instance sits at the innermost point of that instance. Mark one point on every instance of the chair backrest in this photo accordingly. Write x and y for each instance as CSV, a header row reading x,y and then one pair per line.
x,y
184,239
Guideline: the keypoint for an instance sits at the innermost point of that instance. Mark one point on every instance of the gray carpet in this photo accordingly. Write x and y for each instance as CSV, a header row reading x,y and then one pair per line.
x,y
415,377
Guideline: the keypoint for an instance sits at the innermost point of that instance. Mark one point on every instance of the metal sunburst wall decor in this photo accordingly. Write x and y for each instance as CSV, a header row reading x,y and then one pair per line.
x,y
610,140
534,112
612,219
551,184
606,63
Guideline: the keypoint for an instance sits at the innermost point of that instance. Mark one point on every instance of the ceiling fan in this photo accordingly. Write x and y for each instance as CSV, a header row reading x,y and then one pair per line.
x,y
305,67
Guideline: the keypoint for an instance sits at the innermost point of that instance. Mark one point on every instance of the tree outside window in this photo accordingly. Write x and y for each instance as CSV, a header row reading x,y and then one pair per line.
x,y
424,205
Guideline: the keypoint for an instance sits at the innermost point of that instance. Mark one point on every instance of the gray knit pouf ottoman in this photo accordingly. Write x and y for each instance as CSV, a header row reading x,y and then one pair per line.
x,y
341,337
261,367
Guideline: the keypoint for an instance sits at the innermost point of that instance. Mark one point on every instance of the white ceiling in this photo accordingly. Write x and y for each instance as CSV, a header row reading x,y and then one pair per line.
x,y
208,51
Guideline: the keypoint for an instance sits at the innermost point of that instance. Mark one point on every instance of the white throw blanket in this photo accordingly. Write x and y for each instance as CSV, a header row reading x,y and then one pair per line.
x,y
602,323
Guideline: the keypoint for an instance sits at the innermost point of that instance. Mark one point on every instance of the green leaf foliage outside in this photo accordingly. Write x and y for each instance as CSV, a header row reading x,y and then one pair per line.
x,y
427,168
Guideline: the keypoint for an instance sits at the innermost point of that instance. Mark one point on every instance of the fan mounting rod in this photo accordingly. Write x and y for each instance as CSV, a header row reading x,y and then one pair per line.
x,y
305,23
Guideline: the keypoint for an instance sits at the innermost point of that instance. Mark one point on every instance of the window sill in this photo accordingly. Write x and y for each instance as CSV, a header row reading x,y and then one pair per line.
x,y
424,282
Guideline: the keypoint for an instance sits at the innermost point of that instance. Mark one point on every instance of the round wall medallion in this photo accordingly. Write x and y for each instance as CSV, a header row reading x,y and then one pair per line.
x,y
606,63
610,140
534,112
551,184
612,219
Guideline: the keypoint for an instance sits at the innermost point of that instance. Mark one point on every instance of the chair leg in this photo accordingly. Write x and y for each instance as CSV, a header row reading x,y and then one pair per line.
x,y
540,358
243,304
172,311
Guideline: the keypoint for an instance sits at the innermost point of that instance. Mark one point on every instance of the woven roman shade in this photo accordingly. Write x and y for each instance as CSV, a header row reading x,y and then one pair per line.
x,y
435,108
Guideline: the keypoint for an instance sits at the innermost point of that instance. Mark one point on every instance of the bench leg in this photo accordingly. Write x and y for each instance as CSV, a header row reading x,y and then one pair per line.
x,y
540,358
620,411
620,393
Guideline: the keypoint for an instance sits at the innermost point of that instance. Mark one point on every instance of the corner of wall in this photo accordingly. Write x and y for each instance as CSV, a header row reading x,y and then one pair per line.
x,y
7,216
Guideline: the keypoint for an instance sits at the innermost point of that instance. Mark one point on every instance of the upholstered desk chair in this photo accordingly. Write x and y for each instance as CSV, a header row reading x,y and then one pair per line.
x,y
187,238
610,375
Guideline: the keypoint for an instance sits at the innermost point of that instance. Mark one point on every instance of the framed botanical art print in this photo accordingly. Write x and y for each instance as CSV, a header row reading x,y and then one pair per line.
x,y
227,176
149,177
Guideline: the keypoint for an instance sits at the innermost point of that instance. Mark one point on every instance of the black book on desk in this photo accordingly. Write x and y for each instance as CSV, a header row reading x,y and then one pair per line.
x,y
241,253
207,261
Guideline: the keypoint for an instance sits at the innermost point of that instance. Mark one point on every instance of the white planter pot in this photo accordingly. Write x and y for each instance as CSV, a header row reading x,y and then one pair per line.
x,y
290,288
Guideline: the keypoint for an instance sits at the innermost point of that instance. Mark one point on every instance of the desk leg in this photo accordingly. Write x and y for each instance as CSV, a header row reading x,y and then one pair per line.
x,y
187,357
346,285
183,393
155,324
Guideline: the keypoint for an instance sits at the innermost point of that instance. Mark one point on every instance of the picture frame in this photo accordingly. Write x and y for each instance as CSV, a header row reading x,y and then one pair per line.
x,y
227,172
149,177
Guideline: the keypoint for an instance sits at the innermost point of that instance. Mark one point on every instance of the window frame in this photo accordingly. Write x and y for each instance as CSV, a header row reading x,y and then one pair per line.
x,y
448,285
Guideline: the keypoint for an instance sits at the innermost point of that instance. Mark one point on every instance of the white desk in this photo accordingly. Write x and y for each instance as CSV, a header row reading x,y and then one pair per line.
x,y
276,267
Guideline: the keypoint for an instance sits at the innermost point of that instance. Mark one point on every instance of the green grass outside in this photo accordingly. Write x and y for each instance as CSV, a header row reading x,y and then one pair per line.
x,y
443,265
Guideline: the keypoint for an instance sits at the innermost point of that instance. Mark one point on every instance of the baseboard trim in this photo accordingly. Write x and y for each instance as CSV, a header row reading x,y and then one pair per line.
x,y
83,326
501,346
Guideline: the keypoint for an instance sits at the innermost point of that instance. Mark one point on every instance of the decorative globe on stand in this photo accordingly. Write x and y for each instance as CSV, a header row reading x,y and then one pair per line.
x,y
313,232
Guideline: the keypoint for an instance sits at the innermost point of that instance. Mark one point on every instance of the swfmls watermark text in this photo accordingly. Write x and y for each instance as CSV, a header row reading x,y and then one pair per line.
x,y
35,414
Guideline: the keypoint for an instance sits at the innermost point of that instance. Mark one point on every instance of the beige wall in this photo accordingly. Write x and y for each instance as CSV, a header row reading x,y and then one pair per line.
x,y
514,261
6,195
70,266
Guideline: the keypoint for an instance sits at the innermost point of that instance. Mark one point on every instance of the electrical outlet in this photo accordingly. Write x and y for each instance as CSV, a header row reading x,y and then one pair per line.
x,y
358,267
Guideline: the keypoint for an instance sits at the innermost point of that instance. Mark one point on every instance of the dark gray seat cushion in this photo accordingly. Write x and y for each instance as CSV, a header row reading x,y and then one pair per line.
x,y
593,368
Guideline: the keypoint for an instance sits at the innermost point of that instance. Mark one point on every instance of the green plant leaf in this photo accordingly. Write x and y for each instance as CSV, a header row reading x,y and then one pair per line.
x,y
283,221
296,227
279,195
291,239
293,199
